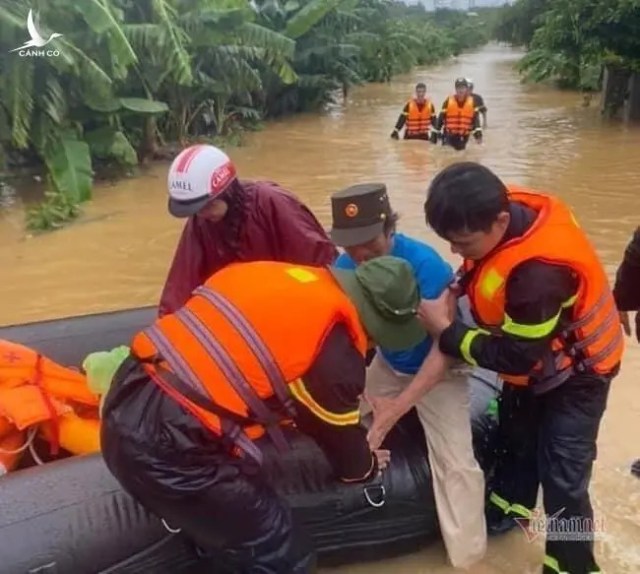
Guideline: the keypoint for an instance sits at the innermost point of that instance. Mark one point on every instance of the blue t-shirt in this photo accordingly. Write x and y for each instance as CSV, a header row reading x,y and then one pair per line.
x,y
433,275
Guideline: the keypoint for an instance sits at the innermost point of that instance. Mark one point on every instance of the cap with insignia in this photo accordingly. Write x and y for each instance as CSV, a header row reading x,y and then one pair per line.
x,y
359,213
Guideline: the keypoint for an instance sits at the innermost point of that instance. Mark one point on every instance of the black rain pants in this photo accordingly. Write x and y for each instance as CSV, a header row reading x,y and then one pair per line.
x,y
457,142
550,440
181,472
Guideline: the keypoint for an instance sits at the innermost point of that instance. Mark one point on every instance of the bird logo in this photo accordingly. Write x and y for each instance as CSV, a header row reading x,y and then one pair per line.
x,y
37,40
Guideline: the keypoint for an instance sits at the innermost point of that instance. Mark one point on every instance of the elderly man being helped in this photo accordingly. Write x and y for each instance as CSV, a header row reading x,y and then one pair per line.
x,y
417,377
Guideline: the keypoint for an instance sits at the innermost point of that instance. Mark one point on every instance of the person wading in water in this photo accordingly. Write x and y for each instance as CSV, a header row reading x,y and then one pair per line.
x,y
459,118
627,294
418,117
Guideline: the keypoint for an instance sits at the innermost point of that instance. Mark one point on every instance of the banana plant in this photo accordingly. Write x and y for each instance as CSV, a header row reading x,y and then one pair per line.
x,y
42,95
131,75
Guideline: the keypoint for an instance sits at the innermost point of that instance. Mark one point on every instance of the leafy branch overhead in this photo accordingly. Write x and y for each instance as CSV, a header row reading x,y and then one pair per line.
x,y
569,41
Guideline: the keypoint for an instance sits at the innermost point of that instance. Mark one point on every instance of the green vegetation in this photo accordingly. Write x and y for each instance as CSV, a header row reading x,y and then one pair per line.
x,y
569,41
131,77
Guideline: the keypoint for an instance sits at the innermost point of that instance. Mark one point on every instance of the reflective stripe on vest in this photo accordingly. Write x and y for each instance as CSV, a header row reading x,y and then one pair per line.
x,y
255,343
459,118
557,365
418,120
229,429
232,373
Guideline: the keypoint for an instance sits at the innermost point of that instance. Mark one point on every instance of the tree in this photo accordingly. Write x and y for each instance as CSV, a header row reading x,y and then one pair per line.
x,y
133,75
569,41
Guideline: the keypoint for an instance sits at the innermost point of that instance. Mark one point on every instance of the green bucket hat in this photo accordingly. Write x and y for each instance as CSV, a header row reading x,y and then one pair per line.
x,y
386,295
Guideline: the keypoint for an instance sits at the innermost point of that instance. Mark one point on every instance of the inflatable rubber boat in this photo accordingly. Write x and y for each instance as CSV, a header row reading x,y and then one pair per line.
x,y
71,517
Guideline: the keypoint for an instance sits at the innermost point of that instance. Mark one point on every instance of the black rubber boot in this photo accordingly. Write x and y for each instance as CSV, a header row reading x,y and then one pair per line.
x,y
498,522
501,527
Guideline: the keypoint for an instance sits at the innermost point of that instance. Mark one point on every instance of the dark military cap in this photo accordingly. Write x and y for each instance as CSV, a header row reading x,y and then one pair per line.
x,y
359,213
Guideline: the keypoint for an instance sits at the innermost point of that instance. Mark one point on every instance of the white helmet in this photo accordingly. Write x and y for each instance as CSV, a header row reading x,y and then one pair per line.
x,y
470,82
198,174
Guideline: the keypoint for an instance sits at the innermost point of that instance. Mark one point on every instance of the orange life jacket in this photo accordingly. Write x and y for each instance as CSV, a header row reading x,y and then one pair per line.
x,y
248,333
418,120
592,341
459,118
35,389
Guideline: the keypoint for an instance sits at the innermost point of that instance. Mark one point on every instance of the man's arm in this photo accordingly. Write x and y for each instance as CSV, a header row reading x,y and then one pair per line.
x,y
476,126
434,116
298,236
627,286
402,118
442,118
536,294
433,275
479,103
328,407
388,411
187,270
431,372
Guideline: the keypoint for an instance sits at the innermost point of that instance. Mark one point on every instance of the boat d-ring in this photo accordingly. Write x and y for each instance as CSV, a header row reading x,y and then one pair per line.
x,y
374,503
172,530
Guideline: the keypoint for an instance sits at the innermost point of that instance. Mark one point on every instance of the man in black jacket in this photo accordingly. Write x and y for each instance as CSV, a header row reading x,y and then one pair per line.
x,y
478,102
547,324
627,294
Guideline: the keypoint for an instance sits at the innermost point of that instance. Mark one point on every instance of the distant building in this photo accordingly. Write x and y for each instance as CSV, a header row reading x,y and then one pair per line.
x,y
462,5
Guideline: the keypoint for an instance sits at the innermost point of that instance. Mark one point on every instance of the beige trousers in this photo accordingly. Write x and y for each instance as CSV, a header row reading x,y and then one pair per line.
x,y
458,481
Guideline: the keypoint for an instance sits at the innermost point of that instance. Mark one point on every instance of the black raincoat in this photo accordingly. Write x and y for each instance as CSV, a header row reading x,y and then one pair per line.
x,y
627,287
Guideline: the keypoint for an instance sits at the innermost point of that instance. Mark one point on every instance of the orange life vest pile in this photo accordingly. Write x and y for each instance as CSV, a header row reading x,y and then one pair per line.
x,y
38,397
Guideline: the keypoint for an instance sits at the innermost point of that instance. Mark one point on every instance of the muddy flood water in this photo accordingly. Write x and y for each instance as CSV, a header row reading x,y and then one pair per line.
x,y
117,255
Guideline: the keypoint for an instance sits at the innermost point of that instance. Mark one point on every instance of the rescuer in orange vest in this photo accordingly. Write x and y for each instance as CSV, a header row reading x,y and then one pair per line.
x,y
548,323
459,118
260,345
418,118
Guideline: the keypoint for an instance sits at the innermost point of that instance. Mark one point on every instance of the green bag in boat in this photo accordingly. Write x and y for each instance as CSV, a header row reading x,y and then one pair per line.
x,y
100,368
